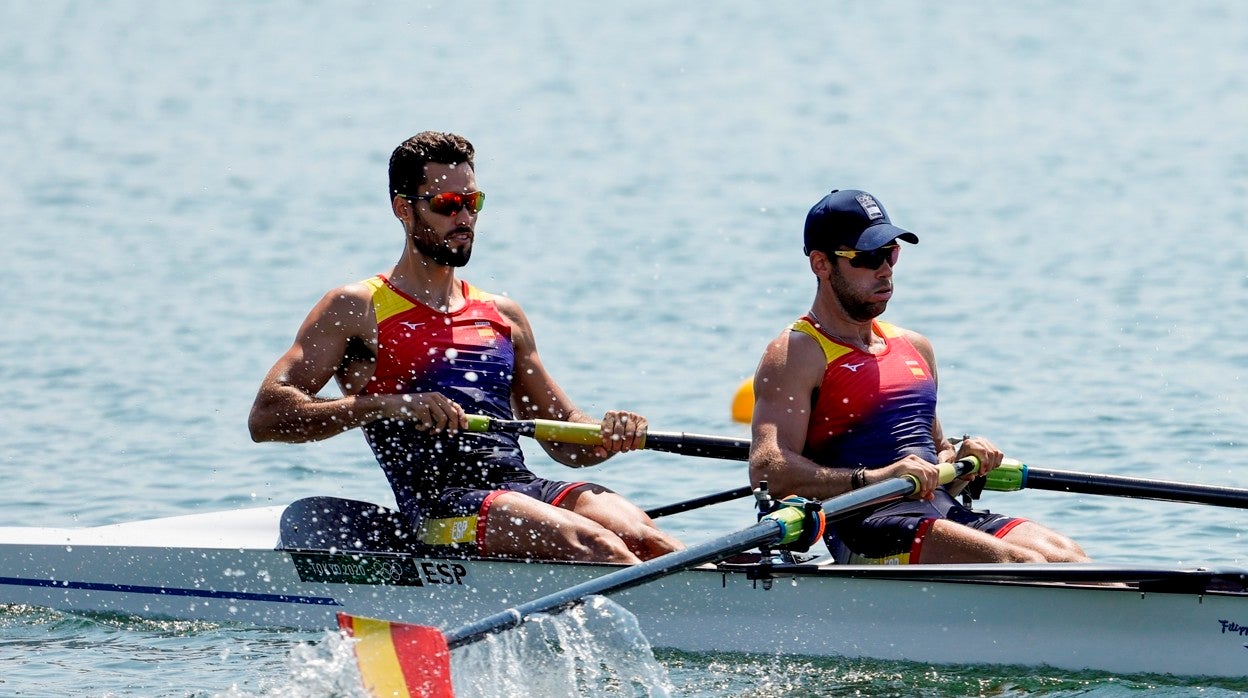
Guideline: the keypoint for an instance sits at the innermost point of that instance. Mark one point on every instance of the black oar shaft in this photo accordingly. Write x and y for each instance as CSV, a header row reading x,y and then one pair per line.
x,y
729,448
1089,483
722,447
699,502
763,533
767,532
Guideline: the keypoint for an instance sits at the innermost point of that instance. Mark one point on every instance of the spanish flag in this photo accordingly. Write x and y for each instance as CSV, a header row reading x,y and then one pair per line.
x,y
400,660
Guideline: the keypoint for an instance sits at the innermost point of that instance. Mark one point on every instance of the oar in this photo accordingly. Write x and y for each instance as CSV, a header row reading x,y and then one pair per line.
x,y
724,447
780,527
1014,475
699,502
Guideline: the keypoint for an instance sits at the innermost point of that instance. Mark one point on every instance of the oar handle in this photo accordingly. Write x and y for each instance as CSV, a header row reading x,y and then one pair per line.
x,y
791,518
540,429
584,434
948,473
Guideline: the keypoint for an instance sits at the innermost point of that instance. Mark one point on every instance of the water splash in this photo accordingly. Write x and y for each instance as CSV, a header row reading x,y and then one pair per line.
x,y
596,649
313,670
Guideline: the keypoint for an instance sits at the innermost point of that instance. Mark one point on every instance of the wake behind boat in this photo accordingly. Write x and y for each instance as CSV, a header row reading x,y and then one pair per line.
x,y
298,566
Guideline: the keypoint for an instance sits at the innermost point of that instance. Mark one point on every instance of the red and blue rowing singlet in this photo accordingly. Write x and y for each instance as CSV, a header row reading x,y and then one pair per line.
x,y
871,409
467,355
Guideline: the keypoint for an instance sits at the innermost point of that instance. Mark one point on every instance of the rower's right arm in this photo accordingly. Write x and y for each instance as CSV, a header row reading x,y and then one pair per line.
x,y
784,386
338,338
791,369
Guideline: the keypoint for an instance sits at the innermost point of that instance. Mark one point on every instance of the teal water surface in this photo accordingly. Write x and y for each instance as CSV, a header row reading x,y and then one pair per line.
x,y
181,182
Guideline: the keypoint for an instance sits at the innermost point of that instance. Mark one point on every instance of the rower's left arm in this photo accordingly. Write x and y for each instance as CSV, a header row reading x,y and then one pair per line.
x,y
536,395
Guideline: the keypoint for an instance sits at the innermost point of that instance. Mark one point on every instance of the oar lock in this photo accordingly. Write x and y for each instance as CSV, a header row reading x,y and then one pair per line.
x,y
802,519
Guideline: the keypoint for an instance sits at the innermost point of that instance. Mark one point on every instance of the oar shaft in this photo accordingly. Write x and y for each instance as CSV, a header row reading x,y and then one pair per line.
x,y
721,447
699,502
1012,476
781,526
764,532
1089,483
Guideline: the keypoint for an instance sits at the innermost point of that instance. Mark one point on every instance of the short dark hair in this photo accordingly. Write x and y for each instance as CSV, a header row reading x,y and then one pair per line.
x,y
407,162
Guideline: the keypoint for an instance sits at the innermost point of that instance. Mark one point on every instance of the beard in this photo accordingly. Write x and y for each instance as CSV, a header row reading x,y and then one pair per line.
x,y
855,305
442,253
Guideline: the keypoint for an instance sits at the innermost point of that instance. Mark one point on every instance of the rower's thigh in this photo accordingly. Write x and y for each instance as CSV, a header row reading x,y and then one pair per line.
x,y
951,542
619,515
518,525
604,506
1054,546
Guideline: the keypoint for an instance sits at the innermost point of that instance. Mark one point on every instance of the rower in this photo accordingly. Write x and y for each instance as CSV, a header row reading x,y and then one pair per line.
x,y
844,400
412,349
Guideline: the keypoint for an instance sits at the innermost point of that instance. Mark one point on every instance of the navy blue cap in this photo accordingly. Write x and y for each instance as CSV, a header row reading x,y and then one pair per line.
x,y
850,218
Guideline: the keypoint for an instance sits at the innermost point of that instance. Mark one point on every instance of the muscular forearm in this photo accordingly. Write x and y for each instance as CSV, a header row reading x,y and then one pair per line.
x,y
300,419
795,474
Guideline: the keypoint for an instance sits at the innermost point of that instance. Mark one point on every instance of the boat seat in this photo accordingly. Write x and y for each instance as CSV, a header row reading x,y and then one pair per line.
x,y
344,525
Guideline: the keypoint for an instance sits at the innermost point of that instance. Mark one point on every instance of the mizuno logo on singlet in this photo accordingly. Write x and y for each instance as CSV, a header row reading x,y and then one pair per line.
x,y
853,368
411,325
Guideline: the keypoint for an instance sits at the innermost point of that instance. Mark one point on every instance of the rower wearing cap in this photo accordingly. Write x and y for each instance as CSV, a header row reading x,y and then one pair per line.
x,y
844,400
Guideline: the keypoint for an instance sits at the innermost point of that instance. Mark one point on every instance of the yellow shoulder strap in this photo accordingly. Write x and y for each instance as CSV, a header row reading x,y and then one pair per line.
x,y
888,329
477,294
385,301
831,350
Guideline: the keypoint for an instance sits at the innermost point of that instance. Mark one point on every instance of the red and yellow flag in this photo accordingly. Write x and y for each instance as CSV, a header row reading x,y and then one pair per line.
x,y
400,660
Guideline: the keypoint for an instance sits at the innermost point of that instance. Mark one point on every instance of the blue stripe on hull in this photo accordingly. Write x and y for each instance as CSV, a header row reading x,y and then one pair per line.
x,y
170,591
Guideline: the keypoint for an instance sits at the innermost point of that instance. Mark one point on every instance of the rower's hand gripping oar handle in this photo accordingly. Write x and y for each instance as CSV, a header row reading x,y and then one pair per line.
x,y
794,516
952,471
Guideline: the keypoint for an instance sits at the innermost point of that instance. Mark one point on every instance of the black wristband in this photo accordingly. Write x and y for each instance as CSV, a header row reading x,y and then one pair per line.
x,y
859,479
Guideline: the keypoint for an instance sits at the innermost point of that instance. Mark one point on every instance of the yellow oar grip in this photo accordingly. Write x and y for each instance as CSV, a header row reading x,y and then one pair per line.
x,y
948,472
567,432
542,429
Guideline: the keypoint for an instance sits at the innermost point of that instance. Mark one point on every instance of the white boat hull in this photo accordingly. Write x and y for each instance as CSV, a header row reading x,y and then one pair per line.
x,y
226,567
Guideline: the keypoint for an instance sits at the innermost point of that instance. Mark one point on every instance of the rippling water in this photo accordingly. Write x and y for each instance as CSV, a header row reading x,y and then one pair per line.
x,y
182,181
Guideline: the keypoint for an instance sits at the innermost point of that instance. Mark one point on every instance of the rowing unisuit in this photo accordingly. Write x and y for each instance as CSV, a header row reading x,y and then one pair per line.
x,y
871,410
442,483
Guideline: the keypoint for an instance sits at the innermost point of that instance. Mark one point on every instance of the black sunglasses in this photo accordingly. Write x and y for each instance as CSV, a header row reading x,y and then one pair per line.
x,y
871,259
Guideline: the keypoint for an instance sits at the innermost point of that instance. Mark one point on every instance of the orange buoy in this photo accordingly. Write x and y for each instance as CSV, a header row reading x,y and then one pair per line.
x,y
743,402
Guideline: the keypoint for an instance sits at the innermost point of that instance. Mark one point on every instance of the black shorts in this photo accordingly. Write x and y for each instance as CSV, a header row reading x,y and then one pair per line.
x,y
894,533
454,524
